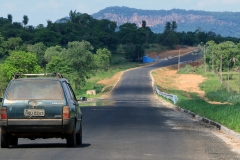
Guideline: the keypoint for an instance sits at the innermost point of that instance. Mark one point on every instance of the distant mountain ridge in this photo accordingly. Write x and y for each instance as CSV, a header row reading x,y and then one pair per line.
x,y
223,23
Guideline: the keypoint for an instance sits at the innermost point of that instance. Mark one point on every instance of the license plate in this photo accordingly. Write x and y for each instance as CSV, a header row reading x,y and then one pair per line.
x,y
34,112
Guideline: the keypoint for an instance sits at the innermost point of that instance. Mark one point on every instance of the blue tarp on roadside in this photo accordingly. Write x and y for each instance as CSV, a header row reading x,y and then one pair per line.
x,y
146,59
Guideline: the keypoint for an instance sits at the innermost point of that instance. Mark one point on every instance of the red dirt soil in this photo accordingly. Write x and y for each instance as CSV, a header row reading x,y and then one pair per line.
x,y
172,53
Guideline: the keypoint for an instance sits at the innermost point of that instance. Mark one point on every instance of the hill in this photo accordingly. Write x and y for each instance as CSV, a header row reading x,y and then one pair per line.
x,y
226,24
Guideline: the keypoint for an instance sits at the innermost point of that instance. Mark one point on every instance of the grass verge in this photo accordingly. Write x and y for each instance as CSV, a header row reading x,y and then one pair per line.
x,y
226,113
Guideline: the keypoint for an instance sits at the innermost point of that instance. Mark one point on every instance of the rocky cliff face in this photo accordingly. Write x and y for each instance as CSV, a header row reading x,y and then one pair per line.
x,y
154,20
223,23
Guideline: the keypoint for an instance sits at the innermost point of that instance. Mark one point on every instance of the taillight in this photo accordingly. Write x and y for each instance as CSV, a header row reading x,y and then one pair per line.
x,y
66,112
3,113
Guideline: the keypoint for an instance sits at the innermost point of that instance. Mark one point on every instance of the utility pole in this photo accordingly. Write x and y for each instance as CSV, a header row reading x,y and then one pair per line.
x,y
179,58
239,79
212,63
221,69
204,52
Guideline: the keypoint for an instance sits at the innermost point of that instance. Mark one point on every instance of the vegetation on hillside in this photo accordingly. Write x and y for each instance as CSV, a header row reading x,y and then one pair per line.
x,y
81,46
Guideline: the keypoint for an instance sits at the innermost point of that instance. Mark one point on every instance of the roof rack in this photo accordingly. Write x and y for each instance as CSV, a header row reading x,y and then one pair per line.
x,y
55,74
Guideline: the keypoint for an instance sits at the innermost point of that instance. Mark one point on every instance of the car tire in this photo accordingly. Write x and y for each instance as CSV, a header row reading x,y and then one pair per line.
x,y
79,135
13,141
4,141
71,139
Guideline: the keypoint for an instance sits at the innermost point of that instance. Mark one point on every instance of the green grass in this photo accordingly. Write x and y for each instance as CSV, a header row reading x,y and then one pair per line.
x,y
225,114
233,81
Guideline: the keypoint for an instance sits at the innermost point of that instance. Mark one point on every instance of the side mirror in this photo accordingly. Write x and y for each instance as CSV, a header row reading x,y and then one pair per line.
x,y
1,99
83,98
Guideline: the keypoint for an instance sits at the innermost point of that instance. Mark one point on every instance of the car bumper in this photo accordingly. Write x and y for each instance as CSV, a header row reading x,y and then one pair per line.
x,y
38,126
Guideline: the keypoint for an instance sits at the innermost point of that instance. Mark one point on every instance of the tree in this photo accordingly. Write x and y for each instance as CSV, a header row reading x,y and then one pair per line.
x,y
2,48
10,45
25,20
170,40
74,16
80,58
133,52
144,24
13,43
174,26
58,64
53,51
146,31
3,80
9,16
20,62
168,27
102,59
139,52
212,47
130,52
127,33
39,49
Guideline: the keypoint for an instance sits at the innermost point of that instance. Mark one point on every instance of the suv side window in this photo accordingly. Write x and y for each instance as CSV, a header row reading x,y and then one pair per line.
x,y
70,91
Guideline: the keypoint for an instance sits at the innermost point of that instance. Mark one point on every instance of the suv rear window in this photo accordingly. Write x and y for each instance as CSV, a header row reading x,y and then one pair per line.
x,y
35,89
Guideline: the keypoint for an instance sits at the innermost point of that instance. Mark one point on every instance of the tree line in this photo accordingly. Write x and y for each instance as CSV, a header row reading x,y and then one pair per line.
x,y
222,56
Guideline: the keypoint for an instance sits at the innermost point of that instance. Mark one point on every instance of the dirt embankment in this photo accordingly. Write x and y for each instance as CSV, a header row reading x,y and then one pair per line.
x,y
186,82
172,53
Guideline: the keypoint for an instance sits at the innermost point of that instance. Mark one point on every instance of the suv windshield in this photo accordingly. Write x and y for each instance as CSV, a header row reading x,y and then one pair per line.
x,y
35,89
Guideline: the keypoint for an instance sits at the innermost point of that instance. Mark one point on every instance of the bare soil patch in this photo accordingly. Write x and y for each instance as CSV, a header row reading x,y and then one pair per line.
x,y
168,78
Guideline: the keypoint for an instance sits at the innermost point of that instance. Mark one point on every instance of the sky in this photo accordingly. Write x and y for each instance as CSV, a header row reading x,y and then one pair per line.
x,y
39,11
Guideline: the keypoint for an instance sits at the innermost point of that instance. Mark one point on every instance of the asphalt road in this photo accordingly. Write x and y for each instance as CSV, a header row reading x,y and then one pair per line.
x,y
131,124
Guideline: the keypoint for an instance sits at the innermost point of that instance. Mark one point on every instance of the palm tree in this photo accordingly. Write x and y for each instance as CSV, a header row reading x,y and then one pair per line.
x,y
74,16
144,24
212,46
167,26
9,16
25,20
234,60
174,26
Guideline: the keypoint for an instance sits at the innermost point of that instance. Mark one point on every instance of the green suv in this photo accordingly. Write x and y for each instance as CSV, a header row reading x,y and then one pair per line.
x,y
40,106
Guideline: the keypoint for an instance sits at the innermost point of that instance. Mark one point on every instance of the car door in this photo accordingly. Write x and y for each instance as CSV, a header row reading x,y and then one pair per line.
x,y
74,106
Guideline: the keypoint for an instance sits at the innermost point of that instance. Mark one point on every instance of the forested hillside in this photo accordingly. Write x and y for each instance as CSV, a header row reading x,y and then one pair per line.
x,y
223,23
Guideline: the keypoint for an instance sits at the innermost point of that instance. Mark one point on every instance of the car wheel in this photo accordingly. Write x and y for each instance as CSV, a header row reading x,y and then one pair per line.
x,y
79,135
71,139
13,141
4,141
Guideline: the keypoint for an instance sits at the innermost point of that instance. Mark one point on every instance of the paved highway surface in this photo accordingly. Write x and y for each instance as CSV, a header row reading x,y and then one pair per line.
x,y
131,124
